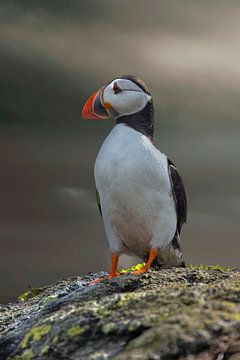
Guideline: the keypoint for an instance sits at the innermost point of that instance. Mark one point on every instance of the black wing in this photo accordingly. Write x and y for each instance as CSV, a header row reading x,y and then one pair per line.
x,y
98,201
179,195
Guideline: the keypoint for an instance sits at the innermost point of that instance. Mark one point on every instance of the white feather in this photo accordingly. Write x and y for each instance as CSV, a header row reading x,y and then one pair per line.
x,y
132,179
131,99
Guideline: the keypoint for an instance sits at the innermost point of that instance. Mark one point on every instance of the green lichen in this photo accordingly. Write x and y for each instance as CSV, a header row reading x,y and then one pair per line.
x,y
26,355
75,330
108,328
228,304
50,298
132,268
32,292
123,299
102,311
164,313
55,340
195,267
44,349
36,334
134,325
207,267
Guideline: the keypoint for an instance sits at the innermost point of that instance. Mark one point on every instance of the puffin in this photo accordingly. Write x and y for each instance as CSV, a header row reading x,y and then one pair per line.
x,y
139,191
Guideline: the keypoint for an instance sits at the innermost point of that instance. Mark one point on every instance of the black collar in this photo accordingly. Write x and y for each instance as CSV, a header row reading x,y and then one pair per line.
x,y
142,121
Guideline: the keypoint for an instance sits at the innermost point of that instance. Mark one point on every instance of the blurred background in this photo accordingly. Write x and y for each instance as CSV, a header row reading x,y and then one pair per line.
x,y
53,55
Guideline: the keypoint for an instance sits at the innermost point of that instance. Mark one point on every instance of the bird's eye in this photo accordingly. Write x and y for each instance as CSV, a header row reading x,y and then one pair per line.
x,y
116,88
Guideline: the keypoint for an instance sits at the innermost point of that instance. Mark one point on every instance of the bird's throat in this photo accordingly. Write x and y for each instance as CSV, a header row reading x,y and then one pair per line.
x,y
142,121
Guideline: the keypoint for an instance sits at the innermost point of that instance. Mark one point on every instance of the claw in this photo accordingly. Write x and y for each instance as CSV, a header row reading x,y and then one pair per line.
x,y
110,276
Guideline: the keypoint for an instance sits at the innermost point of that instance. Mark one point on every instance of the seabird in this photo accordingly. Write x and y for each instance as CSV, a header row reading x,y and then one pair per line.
x,y
140,193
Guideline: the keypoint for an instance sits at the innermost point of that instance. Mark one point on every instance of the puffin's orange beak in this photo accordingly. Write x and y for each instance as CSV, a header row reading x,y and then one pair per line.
x,y
94,109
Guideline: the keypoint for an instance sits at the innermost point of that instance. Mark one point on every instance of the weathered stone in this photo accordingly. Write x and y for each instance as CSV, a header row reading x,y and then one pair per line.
x,y
191,313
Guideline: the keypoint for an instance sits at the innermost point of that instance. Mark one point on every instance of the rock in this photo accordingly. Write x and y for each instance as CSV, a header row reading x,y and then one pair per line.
x,y
180,313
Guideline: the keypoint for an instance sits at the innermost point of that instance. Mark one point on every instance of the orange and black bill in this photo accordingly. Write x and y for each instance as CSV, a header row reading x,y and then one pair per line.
x,y
94,108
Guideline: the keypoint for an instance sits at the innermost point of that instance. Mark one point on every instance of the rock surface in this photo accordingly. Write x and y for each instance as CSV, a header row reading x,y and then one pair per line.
x,y
191,313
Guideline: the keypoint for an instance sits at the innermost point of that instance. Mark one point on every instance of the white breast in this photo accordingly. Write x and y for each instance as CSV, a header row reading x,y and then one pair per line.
x,y
132,179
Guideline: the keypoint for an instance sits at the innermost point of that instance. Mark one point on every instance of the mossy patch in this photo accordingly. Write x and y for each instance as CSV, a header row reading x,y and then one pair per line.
x,y
44,349
167,313
195,267
50,298
75,330
207,267
123,300
109,328
236,316
32,292
55,339
227,304
26,355
102,311
134,325
35,334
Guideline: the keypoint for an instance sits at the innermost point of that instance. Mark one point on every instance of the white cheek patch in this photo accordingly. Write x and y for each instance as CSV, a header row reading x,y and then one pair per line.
x,y
130,100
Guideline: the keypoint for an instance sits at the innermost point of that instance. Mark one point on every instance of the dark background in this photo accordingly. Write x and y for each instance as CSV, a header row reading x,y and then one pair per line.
x,y
53,55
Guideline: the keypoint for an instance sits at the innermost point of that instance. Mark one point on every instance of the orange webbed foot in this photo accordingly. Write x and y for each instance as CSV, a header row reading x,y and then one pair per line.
x,y
113,273
153,253
110,276
139,271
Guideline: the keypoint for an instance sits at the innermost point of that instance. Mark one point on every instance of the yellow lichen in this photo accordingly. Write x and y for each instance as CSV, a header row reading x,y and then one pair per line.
x,y
36,334
30,294
236,316
228,304
132,268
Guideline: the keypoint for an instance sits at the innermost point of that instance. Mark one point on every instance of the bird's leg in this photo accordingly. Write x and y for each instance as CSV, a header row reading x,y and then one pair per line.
x,y
113,272
153,253
114,262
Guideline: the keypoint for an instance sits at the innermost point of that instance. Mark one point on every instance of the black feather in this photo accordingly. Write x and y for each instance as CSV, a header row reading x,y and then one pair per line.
x,y
98,202
179,194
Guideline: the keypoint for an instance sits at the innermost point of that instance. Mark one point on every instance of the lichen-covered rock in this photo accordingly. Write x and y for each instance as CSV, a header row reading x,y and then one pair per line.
x,y
191,313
